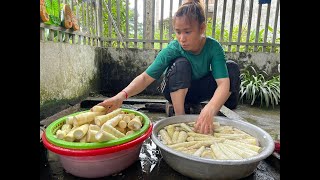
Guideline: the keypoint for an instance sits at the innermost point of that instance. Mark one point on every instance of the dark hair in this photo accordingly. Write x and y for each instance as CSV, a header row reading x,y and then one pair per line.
x,y
192,9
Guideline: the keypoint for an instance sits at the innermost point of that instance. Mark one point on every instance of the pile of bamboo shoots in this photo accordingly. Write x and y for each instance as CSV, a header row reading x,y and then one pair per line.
x,y
226,142
99,126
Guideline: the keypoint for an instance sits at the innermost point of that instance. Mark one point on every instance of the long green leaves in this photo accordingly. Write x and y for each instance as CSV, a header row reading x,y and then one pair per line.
x,y
255,88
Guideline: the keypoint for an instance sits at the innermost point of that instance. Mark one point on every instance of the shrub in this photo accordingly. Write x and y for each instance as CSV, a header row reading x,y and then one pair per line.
x,y
255,88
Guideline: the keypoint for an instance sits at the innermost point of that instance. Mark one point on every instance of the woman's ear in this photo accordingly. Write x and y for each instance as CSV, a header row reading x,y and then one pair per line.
x,y
202,28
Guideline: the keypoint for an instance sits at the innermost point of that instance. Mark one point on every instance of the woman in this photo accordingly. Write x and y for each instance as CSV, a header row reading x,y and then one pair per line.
x,y
196,70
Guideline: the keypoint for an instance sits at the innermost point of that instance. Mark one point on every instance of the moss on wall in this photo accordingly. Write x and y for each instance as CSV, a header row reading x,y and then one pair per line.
x,y
68,74
50,105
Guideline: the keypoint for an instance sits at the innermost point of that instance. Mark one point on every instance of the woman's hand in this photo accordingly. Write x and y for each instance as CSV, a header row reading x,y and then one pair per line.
x,y
204,123
113,103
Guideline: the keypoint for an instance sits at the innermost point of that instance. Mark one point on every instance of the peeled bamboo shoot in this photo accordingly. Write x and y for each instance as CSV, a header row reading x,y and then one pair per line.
x,y
182,137
122,130
115,120
241,152
85,118
184,144
135,123
98,108
122,124
69,137
165,136
199,151
243,145
252,141
175,136
61,134
131,115
66,128
101,119
80,131
94,127
200,143
126,118
229,153
83,139
110,129
235,136
218,152
104,136
91,135
190,138
69,120
186,127
170,129
207,154
199,135
129,132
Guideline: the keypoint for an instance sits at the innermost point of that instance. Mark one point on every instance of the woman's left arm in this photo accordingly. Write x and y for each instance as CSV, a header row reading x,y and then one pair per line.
x,y
204,123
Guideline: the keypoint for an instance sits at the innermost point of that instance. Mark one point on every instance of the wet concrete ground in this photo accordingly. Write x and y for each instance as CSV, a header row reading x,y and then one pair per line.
x,y
150,164
266,118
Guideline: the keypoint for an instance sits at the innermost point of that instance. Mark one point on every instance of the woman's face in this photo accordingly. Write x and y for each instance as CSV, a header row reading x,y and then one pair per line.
x,y
189,33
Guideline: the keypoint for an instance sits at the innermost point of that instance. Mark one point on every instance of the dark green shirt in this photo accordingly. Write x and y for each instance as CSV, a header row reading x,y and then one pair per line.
x,y
211,57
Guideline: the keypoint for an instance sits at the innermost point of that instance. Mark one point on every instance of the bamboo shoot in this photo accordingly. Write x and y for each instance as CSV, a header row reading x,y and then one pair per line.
x,y
182,137
135,123
184,144
122,124
101,119
69,137
98,108
129,132
60,134
165,136
110,129
94,127
199,151
243,145
85,118
91,135
115,120
69,120
218,152
80,131
229,153
66,128
186,127
170,129
175,136
104,136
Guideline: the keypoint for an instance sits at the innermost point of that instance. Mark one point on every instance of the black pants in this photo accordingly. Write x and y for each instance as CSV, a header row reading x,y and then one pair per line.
x,y
178,77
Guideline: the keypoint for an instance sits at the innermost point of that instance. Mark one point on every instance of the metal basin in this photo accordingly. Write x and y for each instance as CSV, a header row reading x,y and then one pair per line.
x,y
202,168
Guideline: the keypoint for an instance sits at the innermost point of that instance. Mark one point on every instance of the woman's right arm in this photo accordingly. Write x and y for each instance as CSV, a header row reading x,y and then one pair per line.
x,y
136,86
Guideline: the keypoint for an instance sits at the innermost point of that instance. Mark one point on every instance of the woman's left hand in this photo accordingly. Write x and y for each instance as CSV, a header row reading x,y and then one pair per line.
x,y
204,123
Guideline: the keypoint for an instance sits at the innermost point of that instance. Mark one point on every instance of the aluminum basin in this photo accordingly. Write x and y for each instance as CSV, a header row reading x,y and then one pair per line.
x,y
202,168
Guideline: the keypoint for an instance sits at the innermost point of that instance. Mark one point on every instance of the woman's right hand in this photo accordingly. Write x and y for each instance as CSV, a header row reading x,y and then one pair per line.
x,y
113,103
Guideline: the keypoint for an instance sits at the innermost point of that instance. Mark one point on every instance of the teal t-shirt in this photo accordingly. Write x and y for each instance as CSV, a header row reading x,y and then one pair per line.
x,y
211,59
